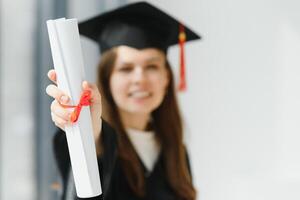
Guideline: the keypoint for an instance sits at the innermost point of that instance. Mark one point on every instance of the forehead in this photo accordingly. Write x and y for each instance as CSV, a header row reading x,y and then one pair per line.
x,y
133,55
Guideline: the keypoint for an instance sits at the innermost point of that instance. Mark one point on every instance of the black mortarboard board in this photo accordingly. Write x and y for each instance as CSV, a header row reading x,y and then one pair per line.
x,y
139,25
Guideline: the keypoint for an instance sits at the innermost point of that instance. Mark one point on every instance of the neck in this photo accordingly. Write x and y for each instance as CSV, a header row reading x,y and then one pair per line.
x,y
135,121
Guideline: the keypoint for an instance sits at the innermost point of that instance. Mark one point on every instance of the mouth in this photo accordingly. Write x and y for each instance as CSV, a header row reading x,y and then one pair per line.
x,y
140,94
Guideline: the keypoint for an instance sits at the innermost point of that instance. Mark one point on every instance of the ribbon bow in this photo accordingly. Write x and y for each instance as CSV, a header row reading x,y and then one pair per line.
x,y
84,101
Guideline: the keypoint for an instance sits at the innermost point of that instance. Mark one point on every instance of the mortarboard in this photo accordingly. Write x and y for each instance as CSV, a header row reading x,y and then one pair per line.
x,y
139,25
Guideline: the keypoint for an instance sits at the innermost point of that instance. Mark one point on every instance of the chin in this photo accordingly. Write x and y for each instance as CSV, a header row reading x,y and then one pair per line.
x,y
142,109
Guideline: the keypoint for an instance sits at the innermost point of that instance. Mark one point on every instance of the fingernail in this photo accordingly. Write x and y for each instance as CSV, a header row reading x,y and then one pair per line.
x,y
86,84
64,99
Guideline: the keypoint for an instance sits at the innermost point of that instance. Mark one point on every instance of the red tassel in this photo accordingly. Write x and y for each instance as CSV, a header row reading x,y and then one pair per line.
x,y
182,39
84,101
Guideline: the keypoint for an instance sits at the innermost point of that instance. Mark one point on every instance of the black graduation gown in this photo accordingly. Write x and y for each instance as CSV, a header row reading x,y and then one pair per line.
x,y
113,181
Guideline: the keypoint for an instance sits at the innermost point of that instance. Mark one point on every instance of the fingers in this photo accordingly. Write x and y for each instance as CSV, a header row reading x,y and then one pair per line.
x,y
52,75
59,111
57,94
60,116
58,121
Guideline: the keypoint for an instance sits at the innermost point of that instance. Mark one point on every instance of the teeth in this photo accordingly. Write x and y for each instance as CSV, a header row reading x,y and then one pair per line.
x,y
140,94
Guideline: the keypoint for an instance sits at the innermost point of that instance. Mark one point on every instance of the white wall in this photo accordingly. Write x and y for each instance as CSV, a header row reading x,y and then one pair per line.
x,y
17,28
243,100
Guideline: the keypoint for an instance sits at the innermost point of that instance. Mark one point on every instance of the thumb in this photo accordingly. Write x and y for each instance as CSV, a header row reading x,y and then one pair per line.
x,y
86,85
95,94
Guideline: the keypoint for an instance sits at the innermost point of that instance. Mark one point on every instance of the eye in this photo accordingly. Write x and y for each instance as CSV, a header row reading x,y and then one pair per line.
x,y
125,69
152,67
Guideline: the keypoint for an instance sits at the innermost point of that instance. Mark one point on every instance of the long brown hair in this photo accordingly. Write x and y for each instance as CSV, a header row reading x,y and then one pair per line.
x,y
168,128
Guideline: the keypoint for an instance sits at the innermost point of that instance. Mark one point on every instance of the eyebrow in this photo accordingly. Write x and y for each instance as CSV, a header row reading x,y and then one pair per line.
x,y
125,63
153,59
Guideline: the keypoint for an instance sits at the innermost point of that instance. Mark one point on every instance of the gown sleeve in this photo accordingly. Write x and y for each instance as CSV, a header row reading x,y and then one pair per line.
x,y
106,161
61,154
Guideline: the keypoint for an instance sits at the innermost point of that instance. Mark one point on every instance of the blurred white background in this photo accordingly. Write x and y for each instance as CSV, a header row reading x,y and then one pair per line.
x,y
241,108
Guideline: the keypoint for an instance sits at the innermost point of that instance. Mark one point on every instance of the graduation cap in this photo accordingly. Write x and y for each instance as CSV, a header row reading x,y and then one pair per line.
x,y
139,25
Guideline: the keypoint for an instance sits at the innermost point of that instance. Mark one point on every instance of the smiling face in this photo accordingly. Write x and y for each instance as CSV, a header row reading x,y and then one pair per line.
x,y
139,80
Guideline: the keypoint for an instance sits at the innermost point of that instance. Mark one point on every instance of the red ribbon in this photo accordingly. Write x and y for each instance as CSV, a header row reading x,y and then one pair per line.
x,y
182,39
84,101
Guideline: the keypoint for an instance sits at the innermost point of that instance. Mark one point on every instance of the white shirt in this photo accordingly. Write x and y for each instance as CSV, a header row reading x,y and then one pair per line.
x,y
145,145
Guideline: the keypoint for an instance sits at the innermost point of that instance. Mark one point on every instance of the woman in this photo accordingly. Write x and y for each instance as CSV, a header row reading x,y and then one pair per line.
x,y
138,134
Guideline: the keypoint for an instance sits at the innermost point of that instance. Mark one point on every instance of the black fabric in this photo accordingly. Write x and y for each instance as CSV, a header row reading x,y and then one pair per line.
x,y
113,181
139,25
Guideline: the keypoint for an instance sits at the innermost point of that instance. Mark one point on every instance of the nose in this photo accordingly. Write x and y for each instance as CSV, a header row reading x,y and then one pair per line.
x,y
139,75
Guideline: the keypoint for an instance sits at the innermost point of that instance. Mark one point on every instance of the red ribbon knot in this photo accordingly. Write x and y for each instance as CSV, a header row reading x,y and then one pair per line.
x,y
84,101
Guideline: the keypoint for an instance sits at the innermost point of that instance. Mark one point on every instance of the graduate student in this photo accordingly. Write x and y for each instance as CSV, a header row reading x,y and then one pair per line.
x,y
136,120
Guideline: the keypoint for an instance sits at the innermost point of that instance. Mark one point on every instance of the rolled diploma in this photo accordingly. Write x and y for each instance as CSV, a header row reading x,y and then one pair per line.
x,y
69,67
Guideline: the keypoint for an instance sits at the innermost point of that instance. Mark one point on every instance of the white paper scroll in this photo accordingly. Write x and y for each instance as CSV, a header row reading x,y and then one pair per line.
x,y
69,67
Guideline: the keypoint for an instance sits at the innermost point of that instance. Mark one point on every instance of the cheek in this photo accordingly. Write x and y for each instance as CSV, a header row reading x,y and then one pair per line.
x,y
160,85
118,89
160,82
